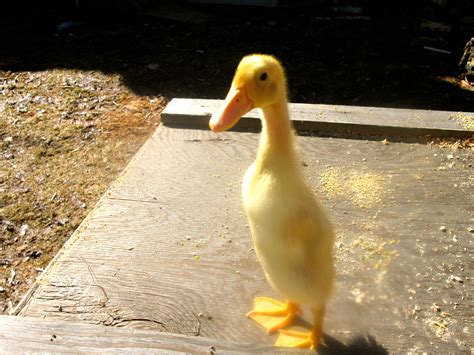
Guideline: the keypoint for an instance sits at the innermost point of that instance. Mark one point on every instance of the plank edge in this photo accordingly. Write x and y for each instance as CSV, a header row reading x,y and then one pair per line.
x,y
175,117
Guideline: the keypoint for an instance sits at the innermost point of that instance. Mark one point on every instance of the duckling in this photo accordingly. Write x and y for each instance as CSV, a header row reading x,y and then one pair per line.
x,y
292,235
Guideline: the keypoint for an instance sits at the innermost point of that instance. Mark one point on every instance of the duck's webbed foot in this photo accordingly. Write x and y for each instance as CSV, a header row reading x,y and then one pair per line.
x,y
273,315
292,339
305,340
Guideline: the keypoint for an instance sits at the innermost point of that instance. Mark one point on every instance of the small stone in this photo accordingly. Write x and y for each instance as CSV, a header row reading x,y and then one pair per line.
x,y
450,156
62,221
443,229
453,278
23,229
470,230
22,108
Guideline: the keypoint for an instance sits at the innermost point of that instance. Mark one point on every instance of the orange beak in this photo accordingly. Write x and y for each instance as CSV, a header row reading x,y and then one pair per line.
x,y
236,104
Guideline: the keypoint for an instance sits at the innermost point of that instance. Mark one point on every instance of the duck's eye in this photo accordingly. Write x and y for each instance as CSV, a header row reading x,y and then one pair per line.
x,y
263,77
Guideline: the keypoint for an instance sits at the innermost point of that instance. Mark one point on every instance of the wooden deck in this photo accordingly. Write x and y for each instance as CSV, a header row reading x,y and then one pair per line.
x,y
167,249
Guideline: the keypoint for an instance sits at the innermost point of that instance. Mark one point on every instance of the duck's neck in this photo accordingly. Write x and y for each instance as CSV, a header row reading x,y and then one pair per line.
x,y
277,138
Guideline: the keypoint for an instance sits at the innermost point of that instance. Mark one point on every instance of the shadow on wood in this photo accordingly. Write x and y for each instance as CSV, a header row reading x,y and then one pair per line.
x,y
359,344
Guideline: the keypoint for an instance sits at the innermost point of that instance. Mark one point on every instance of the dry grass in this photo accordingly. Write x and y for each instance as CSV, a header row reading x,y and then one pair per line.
x,y
465,120
452,143
65,135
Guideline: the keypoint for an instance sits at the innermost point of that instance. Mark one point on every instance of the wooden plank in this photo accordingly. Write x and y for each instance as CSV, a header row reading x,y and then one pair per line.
x,y
169,242
329,119
26,334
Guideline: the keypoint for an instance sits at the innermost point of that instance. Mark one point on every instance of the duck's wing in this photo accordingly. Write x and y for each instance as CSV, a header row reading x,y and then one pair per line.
x,y
310,240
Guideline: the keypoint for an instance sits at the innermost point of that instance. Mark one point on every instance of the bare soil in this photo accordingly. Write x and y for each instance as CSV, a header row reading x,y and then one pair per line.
x,y
76,104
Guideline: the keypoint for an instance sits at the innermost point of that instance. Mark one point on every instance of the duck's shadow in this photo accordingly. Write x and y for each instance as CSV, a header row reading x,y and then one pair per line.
x,y
357,344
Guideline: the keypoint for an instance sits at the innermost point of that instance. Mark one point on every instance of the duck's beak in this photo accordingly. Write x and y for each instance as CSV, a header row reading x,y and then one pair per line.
x,y
236,104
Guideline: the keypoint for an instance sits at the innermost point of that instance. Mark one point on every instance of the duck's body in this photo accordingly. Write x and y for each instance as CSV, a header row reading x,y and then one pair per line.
x,y
292,236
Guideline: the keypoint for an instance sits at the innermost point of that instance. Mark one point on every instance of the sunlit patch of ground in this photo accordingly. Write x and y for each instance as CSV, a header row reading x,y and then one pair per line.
x,y
65,135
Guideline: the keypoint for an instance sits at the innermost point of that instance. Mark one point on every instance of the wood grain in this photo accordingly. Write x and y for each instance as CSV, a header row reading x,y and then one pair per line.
x,y
168,244
328,119
33,335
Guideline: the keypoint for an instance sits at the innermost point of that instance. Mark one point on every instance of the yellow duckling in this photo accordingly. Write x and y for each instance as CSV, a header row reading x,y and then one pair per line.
x,y
292,235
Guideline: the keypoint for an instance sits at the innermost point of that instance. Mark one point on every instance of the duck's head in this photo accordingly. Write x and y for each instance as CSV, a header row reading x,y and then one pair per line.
x,y
259,82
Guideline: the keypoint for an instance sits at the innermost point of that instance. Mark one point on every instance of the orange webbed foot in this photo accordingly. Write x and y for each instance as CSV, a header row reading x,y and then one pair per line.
x,y
292,339
273,315
304,340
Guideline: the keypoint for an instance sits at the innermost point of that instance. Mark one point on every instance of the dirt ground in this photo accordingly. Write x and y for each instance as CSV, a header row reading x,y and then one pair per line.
x,y
76,104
